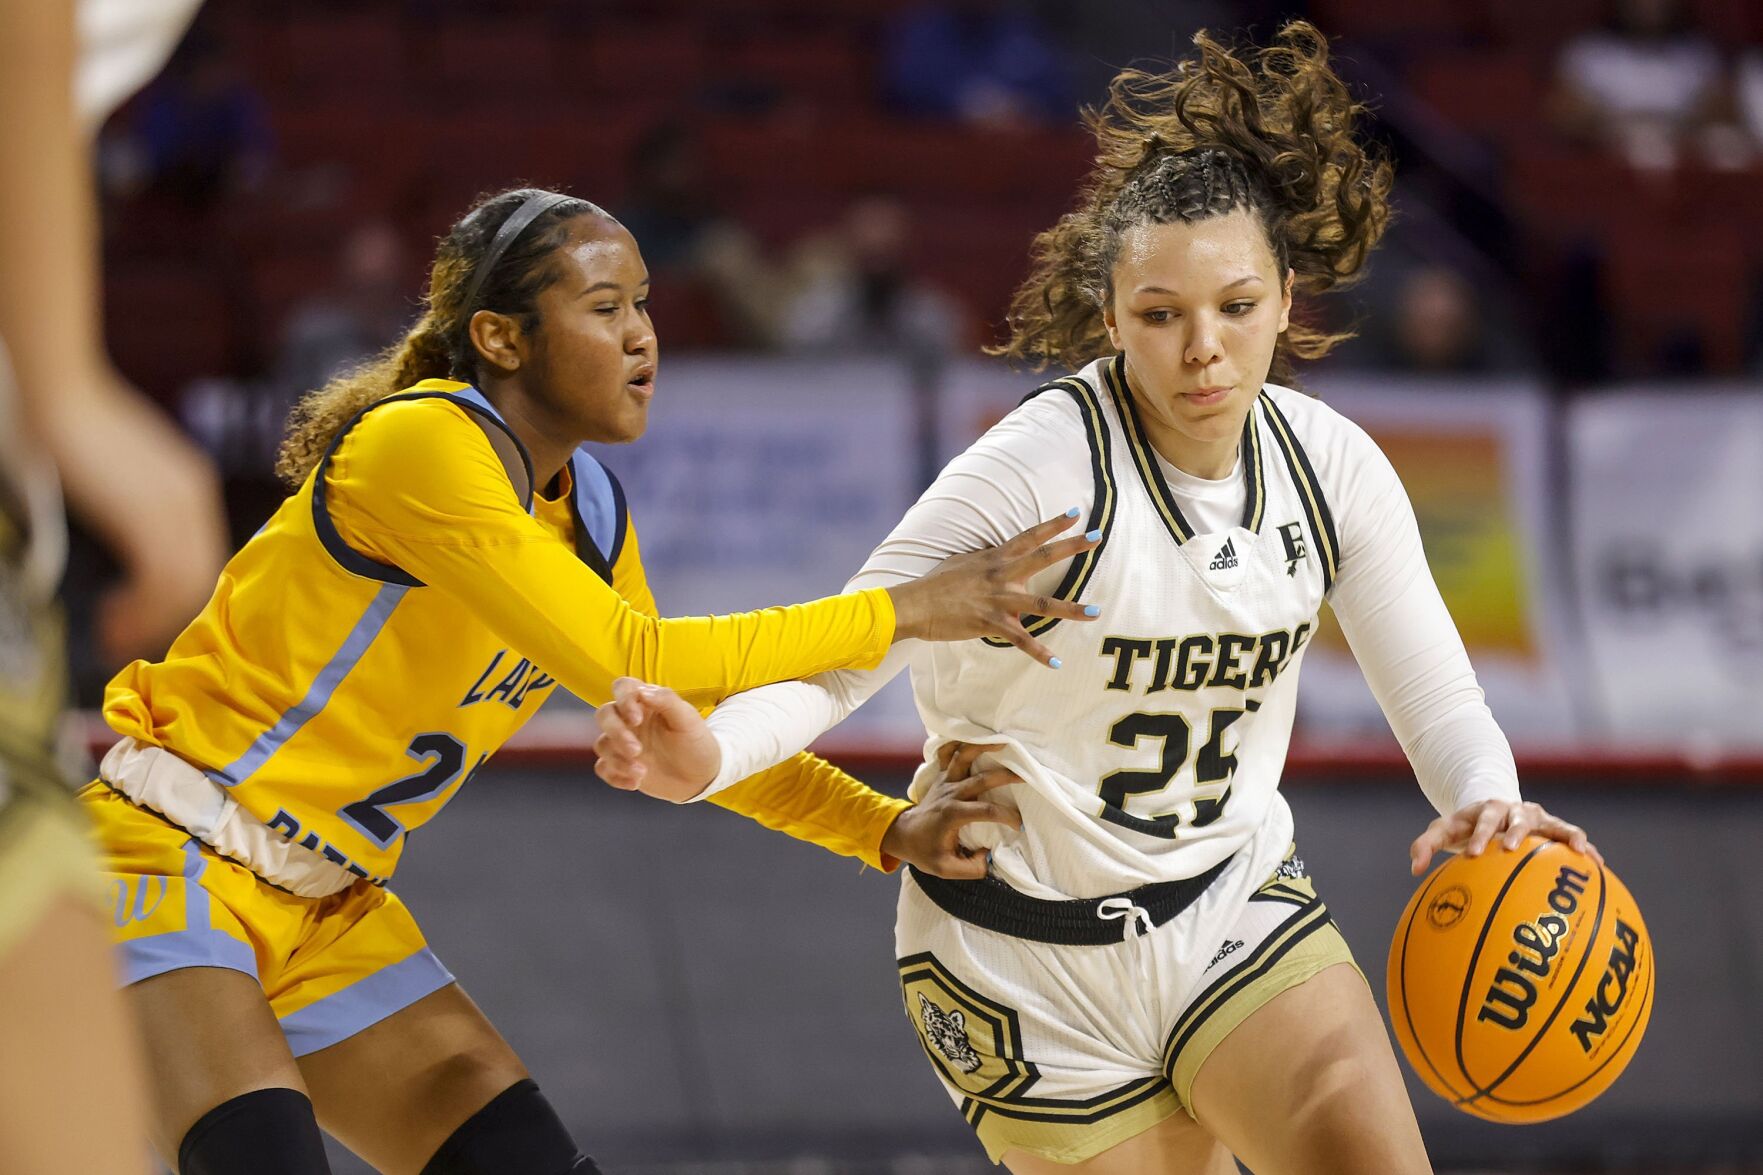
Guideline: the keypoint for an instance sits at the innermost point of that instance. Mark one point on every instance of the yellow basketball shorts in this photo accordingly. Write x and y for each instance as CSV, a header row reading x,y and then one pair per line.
x,y
329,966
1064,1048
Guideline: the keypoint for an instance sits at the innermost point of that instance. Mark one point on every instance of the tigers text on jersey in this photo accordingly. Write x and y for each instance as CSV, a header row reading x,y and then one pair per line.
x,y
406,610
1156,750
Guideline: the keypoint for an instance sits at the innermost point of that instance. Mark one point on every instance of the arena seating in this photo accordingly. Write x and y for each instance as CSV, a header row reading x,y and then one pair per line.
x,y
409,114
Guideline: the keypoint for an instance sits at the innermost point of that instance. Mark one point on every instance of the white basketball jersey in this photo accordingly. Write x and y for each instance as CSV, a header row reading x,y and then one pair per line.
x,y
1156,750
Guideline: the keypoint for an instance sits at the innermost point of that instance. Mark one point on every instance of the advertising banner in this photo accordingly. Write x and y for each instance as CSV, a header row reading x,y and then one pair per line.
x,y
767,481
1667,524
1475,458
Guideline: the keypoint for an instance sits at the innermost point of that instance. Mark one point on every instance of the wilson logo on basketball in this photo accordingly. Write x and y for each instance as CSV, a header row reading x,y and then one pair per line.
x,y
1513,991
1612,988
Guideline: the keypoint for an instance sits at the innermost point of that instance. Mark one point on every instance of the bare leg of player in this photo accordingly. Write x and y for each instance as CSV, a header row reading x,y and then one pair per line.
x,y
71,1086
210,1037
396,1091
1309,1084
1175,1146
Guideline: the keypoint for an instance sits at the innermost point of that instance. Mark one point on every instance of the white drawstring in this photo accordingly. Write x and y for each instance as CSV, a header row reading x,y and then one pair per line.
x,y
1123,908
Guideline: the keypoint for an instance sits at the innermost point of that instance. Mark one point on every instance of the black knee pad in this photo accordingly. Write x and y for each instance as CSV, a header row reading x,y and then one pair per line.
x,y
518,1133
264,1132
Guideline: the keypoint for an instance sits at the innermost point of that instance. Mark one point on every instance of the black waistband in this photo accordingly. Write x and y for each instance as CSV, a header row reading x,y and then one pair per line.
x,y
991,904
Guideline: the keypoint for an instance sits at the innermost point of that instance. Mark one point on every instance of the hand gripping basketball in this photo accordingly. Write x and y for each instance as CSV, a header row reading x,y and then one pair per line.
x,y
1520,979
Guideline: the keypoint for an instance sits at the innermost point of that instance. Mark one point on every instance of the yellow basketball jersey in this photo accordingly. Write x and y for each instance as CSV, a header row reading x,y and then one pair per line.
x,y
406,610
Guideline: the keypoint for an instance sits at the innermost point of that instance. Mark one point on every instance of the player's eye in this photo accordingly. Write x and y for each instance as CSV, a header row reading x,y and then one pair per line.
x,y
1238,309
1157,315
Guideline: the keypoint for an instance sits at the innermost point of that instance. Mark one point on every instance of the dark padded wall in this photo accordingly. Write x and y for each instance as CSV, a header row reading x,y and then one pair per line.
x,y
688,986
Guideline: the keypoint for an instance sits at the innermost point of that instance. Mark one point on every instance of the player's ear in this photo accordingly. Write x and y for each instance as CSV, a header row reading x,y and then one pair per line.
x,y
496,337
1109,321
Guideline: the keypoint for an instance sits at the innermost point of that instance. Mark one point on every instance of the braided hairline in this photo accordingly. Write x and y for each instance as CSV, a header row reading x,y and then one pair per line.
x,y
1171,187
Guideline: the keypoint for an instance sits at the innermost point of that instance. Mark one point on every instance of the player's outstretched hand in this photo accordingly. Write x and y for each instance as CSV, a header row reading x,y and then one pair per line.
x,y
928,834
1469,830
985,593
654,741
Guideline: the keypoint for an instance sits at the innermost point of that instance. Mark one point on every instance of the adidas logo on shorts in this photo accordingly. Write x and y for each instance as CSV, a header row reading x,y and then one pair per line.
x,y
1228,949
1226,557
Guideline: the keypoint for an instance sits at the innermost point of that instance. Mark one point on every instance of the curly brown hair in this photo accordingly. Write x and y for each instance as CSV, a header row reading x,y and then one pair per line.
x,y
439,345
1270,130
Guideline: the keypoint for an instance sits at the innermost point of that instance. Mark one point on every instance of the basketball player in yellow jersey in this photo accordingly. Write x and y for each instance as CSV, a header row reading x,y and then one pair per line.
x,y
450,556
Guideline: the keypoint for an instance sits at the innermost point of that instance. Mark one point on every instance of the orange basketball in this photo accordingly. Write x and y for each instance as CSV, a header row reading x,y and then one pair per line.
x,y
1520,981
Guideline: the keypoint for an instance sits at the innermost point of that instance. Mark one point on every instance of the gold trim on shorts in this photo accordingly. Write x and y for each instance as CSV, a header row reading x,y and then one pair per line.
x,y
45,853
1308,943
975,1043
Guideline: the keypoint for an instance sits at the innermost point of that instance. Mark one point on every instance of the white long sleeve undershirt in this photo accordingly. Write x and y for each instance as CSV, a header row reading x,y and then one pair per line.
x,y
1034,465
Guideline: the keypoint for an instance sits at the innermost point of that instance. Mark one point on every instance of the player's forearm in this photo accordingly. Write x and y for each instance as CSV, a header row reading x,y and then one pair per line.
x,y
763,727
49,308
540,598
811,800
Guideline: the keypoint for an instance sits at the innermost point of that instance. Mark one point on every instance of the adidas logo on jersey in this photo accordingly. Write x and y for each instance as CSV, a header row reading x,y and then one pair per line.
x,y
1226,557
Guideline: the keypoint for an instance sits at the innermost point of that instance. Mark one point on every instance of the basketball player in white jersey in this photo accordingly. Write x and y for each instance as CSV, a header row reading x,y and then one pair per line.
x,y
1141,978
71,1094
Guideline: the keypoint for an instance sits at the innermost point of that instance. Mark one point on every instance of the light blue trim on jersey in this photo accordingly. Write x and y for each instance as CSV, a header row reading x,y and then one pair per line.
x,y
198,944
597,503
373,619
364,1003
481,400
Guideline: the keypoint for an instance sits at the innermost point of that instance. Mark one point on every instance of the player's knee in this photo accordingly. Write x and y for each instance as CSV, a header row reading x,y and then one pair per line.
x,y
1349,1121
264,1132
518,1133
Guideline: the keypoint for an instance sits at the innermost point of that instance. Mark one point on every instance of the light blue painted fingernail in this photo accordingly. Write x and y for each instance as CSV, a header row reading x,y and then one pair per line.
x,y
1072,513
1095,536
1092,610
1055,663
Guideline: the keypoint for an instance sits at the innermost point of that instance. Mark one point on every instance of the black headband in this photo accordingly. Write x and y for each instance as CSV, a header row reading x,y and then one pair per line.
x,y
534,207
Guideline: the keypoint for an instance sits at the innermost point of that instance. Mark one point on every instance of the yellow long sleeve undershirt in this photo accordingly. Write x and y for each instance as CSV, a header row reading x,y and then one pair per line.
x,y
417,485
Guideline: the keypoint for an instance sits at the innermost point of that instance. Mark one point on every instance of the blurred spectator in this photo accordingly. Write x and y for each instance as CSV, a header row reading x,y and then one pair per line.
x,y
1748,92
854,290
986,61
1437,325
1648,85
240,422
365,310
200,132
693,248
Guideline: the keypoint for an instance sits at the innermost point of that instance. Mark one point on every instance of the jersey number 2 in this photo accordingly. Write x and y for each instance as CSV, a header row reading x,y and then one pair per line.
x,y
446,762
1211,766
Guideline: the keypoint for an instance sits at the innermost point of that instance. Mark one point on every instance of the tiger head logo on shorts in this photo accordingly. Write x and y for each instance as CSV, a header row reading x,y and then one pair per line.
x,y
947,1033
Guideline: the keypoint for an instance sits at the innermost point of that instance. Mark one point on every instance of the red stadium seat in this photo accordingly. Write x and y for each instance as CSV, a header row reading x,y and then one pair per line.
x,y
1439,21
1565,193
620,60
167,324
361,54
501,59
1541,27
824,69
1662,285
1730,22
1493,95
